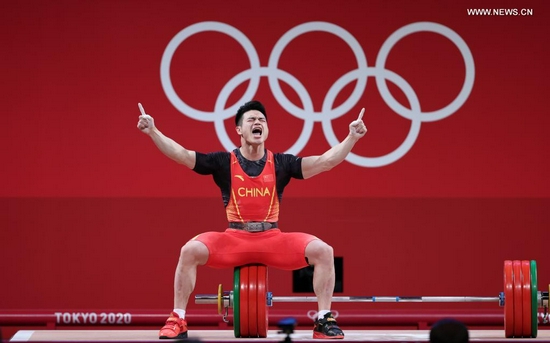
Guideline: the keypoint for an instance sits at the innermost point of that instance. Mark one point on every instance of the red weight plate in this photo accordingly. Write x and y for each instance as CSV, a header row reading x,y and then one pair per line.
x,y
253,301
262,302
508,299
244,301
526,273
518,299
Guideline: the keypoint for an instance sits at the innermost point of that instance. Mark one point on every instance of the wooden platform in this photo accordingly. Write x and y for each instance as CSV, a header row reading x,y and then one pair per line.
x,y
273,336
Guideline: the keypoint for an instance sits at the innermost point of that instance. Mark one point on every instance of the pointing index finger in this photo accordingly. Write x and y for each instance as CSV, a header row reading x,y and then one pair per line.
x,y
361,114
141,109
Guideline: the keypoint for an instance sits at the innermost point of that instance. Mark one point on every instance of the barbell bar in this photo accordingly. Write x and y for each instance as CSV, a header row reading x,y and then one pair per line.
x,y
250,299
227,299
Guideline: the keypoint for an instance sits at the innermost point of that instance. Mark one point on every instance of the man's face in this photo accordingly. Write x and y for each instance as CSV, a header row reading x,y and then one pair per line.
x,y
253,128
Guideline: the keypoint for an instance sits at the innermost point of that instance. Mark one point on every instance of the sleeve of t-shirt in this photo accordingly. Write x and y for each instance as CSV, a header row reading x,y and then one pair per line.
x,y
290,165
210,163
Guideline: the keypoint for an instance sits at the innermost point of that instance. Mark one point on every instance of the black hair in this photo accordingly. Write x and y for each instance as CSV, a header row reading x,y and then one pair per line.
x,y
251,105
449,331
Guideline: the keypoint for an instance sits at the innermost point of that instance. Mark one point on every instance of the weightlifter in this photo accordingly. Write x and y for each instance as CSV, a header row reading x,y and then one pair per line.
x,y
253,235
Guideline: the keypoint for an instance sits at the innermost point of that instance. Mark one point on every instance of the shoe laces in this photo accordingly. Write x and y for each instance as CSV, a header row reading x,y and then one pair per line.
x,y
314,315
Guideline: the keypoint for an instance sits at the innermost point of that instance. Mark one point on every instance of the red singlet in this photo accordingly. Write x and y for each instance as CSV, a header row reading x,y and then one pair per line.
x,y
255,199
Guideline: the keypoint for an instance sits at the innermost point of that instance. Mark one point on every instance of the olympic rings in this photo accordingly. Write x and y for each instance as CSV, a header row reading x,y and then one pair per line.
x,y
223,111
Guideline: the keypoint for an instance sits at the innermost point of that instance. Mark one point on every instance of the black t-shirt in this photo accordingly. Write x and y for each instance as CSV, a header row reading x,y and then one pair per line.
x,y
217,164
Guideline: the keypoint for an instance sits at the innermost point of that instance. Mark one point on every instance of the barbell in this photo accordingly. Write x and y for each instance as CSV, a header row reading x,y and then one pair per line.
x,y
250,299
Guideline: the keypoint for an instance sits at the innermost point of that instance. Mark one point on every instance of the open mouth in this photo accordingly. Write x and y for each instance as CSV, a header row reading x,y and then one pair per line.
x,y
257,131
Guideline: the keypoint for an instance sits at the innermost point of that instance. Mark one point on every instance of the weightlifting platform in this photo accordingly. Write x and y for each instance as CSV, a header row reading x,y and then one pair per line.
x,y
272,336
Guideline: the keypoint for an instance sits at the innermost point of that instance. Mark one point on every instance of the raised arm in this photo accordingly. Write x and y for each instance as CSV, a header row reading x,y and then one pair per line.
x,y
166,145
313,165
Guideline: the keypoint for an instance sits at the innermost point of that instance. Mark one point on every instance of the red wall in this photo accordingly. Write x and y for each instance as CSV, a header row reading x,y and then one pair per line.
x,y
93,216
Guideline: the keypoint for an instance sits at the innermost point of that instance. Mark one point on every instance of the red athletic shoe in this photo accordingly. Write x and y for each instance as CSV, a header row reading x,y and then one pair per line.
x,y
326,328
175,328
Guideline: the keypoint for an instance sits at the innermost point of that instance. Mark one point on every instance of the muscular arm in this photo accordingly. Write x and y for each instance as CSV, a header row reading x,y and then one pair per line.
x,y
172,149
313,165
165,144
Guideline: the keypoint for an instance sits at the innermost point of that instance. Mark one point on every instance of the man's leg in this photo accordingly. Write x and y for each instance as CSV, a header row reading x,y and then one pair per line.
x,y
193,254
321,256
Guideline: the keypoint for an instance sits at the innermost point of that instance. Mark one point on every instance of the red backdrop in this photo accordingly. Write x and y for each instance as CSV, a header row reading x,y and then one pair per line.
x,y
92,215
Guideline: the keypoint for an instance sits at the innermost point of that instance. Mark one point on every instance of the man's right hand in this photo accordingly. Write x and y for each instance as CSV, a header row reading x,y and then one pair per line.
x,y
146,123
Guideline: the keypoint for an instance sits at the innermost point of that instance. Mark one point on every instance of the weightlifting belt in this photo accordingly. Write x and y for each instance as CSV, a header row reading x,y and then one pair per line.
x,y
253,226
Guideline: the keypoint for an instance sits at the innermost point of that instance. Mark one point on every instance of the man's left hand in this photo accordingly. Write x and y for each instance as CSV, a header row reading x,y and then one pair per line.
x,y
357,128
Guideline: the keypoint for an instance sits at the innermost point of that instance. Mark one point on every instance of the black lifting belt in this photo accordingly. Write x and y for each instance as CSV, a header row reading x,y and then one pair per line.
x,y
253,226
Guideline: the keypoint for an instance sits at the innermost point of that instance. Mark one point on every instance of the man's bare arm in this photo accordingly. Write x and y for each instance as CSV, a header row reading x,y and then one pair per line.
x,y
313,165
165,144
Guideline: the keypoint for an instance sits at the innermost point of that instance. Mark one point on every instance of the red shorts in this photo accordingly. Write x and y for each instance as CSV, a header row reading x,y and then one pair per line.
x,y
232,248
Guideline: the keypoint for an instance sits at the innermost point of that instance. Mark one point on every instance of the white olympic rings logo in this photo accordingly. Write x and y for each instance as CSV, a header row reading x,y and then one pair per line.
x,y
328,113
